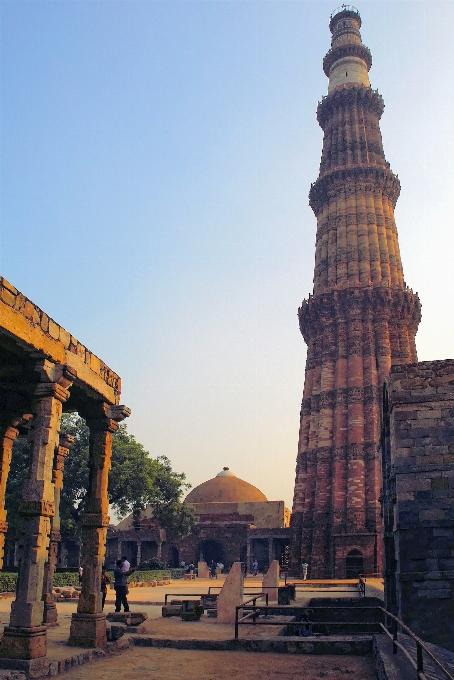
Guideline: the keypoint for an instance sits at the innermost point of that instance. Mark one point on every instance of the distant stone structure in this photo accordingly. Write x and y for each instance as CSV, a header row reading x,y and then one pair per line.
x,y
418,498
236,523
44,370
360,320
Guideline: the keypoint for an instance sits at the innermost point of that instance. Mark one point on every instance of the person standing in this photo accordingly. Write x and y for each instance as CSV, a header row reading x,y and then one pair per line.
x,y
105,580
121,586
126,564
213,569
304,567
255,568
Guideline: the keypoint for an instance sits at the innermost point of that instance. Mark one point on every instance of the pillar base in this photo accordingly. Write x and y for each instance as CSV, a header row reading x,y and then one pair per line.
x,y
32,668
88,630
50,616
23,643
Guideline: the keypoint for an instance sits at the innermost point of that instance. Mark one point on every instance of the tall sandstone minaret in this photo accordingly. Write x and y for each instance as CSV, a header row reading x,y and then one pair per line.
x,y
360,320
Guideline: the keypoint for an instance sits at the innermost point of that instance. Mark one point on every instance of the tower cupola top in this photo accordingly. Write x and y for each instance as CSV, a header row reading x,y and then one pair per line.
x,y
344,12
348,60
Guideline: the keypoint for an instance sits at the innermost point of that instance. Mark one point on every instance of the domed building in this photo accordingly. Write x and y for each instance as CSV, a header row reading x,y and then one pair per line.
x,y
236,522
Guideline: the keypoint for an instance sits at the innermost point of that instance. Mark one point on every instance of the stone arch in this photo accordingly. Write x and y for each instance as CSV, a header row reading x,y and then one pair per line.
x,y
354,563
211,550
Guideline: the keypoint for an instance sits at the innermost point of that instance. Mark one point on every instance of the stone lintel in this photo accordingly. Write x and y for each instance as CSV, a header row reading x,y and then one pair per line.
x,y
40,336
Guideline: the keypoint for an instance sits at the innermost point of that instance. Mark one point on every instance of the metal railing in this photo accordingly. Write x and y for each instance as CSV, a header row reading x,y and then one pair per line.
x,y
252,589
255,612
343,8
362,586
418,665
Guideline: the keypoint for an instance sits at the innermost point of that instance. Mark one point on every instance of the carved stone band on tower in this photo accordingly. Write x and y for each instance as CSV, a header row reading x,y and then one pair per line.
x,y
44,371
360,320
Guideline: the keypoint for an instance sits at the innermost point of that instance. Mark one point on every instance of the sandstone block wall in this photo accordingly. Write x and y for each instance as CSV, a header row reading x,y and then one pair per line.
x,y
418,497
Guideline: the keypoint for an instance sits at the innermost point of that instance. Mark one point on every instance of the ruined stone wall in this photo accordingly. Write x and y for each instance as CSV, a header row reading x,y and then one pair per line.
x,y
418,497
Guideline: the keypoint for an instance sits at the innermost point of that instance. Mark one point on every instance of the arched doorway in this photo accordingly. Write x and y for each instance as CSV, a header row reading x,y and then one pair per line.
x,y
174,557
211,550
354,564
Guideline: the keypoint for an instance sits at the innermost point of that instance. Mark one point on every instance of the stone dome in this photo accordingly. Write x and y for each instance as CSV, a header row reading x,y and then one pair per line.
x,y
226,487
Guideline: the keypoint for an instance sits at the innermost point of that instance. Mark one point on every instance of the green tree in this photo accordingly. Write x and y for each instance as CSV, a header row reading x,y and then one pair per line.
x,y
135,480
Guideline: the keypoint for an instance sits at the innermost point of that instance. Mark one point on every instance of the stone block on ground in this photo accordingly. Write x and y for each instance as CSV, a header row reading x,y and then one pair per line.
x,y
270,583
231,595
115,632
202,570
128,618
172,610
193,615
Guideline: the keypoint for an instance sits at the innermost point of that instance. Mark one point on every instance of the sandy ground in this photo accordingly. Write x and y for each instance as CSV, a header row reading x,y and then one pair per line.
x,y
167,664
175,664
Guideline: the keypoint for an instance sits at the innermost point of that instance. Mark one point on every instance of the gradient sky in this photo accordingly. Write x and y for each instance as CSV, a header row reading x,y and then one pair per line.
x,y
156,161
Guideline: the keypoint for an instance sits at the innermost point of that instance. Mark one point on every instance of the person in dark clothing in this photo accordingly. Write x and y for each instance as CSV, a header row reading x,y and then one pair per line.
x,y
105,580
121,586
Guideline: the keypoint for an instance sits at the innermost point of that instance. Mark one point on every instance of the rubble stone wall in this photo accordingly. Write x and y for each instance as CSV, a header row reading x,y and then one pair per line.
x,y
418,497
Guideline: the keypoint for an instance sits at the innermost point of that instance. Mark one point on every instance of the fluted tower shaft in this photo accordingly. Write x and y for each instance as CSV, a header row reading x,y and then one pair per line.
x,y
360,320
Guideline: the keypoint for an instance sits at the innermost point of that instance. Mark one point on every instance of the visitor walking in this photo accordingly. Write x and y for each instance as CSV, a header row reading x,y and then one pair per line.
x,y
213,573
81,571
105,580
121,586
304,567
255,568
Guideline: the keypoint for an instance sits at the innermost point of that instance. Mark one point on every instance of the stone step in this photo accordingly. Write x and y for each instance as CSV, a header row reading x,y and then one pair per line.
x,y
335,644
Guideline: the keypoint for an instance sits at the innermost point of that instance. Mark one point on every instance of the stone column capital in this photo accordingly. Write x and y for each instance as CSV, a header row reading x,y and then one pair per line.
x,y
55,373
51,389
104,417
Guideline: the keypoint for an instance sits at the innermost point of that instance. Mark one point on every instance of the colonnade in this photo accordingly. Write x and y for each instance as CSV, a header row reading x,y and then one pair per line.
x,y
34,609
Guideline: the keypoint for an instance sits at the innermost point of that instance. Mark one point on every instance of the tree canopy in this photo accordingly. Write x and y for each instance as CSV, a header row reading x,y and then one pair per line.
x,y
135,481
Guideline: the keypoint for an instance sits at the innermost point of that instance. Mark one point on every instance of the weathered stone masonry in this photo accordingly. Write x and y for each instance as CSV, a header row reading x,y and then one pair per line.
x,y
360,320
43,371
418,497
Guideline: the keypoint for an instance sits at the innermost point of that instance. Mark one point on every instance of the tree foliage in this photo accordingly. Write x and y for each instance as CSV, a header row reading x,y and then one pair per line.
x,y
135,481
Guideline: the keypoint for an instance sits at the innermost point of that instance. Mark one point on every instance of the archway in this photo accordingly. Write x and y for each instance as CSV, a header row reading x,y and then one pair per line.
x,y
174,557
354,564
211,551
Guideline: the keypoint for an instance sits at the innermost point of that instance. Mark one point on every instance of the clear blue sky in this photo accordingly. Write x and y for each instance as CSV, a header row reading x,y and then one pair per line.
x,y
156,161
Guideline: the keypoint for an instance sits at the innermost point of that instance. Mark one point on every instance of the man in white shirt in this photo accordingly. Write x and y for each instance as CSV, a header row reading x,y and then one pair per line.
x,y
126,565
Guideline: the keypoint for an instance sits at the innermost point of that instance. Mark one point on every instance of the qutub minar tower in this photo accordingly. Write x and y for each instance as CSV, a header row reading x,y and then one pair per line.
x,y
360,320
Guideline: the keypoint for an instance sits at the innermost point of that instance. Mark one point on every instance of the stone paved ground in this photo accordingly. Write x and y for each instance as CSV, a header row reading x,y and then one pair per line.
x,y
176,664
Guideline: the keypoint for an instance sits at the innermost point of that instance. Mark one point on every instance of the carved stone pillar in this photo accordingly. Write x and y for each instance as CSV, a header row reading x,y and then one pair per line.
x,y
139,552
25,637
88,626
7,444
50,617
270,551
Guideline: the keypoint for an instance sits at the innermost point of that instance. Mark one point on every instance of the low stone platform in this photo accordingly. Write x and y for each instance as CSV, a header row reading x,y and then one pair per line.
x,y
13,669
358,645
